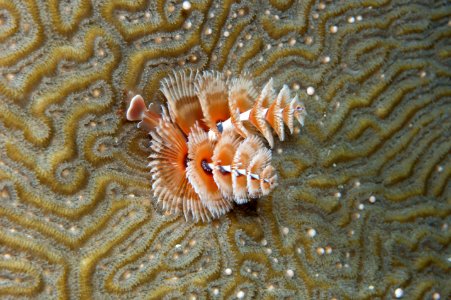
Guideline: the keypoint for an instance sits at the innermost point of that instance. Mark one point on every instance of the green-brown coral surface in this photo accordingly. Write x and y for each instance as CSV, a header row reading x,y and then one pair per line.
x,y
363,206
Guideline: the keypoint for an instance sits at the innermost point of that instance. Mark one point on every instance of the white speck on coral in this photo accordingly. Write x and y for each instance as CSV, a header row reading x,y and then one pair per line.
x,y
268,250
359,18
372,199
333,29
351,20
215,292
186,5
187,24
399,293
436,296
228,271
361,206
439,169
311,232
310,90
320,250
290,273
337,195
285,230
240,295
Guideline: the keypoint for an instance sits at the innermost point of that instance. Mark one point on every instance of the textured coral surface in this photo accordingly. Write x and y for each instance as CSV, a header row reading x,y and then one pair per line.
x,y
363,206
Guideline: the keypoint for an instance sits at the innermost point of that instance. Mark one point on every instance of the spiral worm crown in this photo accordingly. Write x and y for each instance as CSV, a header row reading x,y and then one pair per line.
x,y
206,149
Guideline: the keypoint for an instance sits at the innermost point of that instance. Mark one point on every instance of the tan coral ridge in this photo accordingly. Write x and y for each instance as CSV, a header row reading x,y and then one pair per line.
x,y
206,153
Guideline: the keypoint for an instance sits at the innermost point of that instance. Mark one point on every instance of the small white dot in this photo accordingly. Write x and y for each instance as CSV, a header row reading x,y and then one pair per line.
x,y
361,206
371,287
215,291
333,29
399,293
351,20
359,18
320,251
310,90
311,232
290,273
326,59
436,296
372,199
264,242
208,31
228,271
240,295
328,249
226,33
439,169
285,230
268,250
187,25
186,5
337,195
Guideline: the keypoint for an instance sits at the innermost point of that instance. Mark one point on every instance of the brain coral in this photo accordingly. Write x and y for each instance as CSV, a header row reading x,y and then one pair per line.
x,y
363,206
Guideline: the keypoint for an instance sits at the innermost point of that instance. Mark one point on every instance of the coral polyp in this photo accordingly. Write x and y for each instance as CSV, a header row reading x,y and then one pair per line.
x,y
206,149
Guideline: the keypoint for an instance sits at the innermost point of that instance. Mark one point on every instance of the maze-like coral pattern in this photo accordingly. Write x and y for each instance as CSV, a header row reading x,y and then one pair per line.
x,y
363,206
